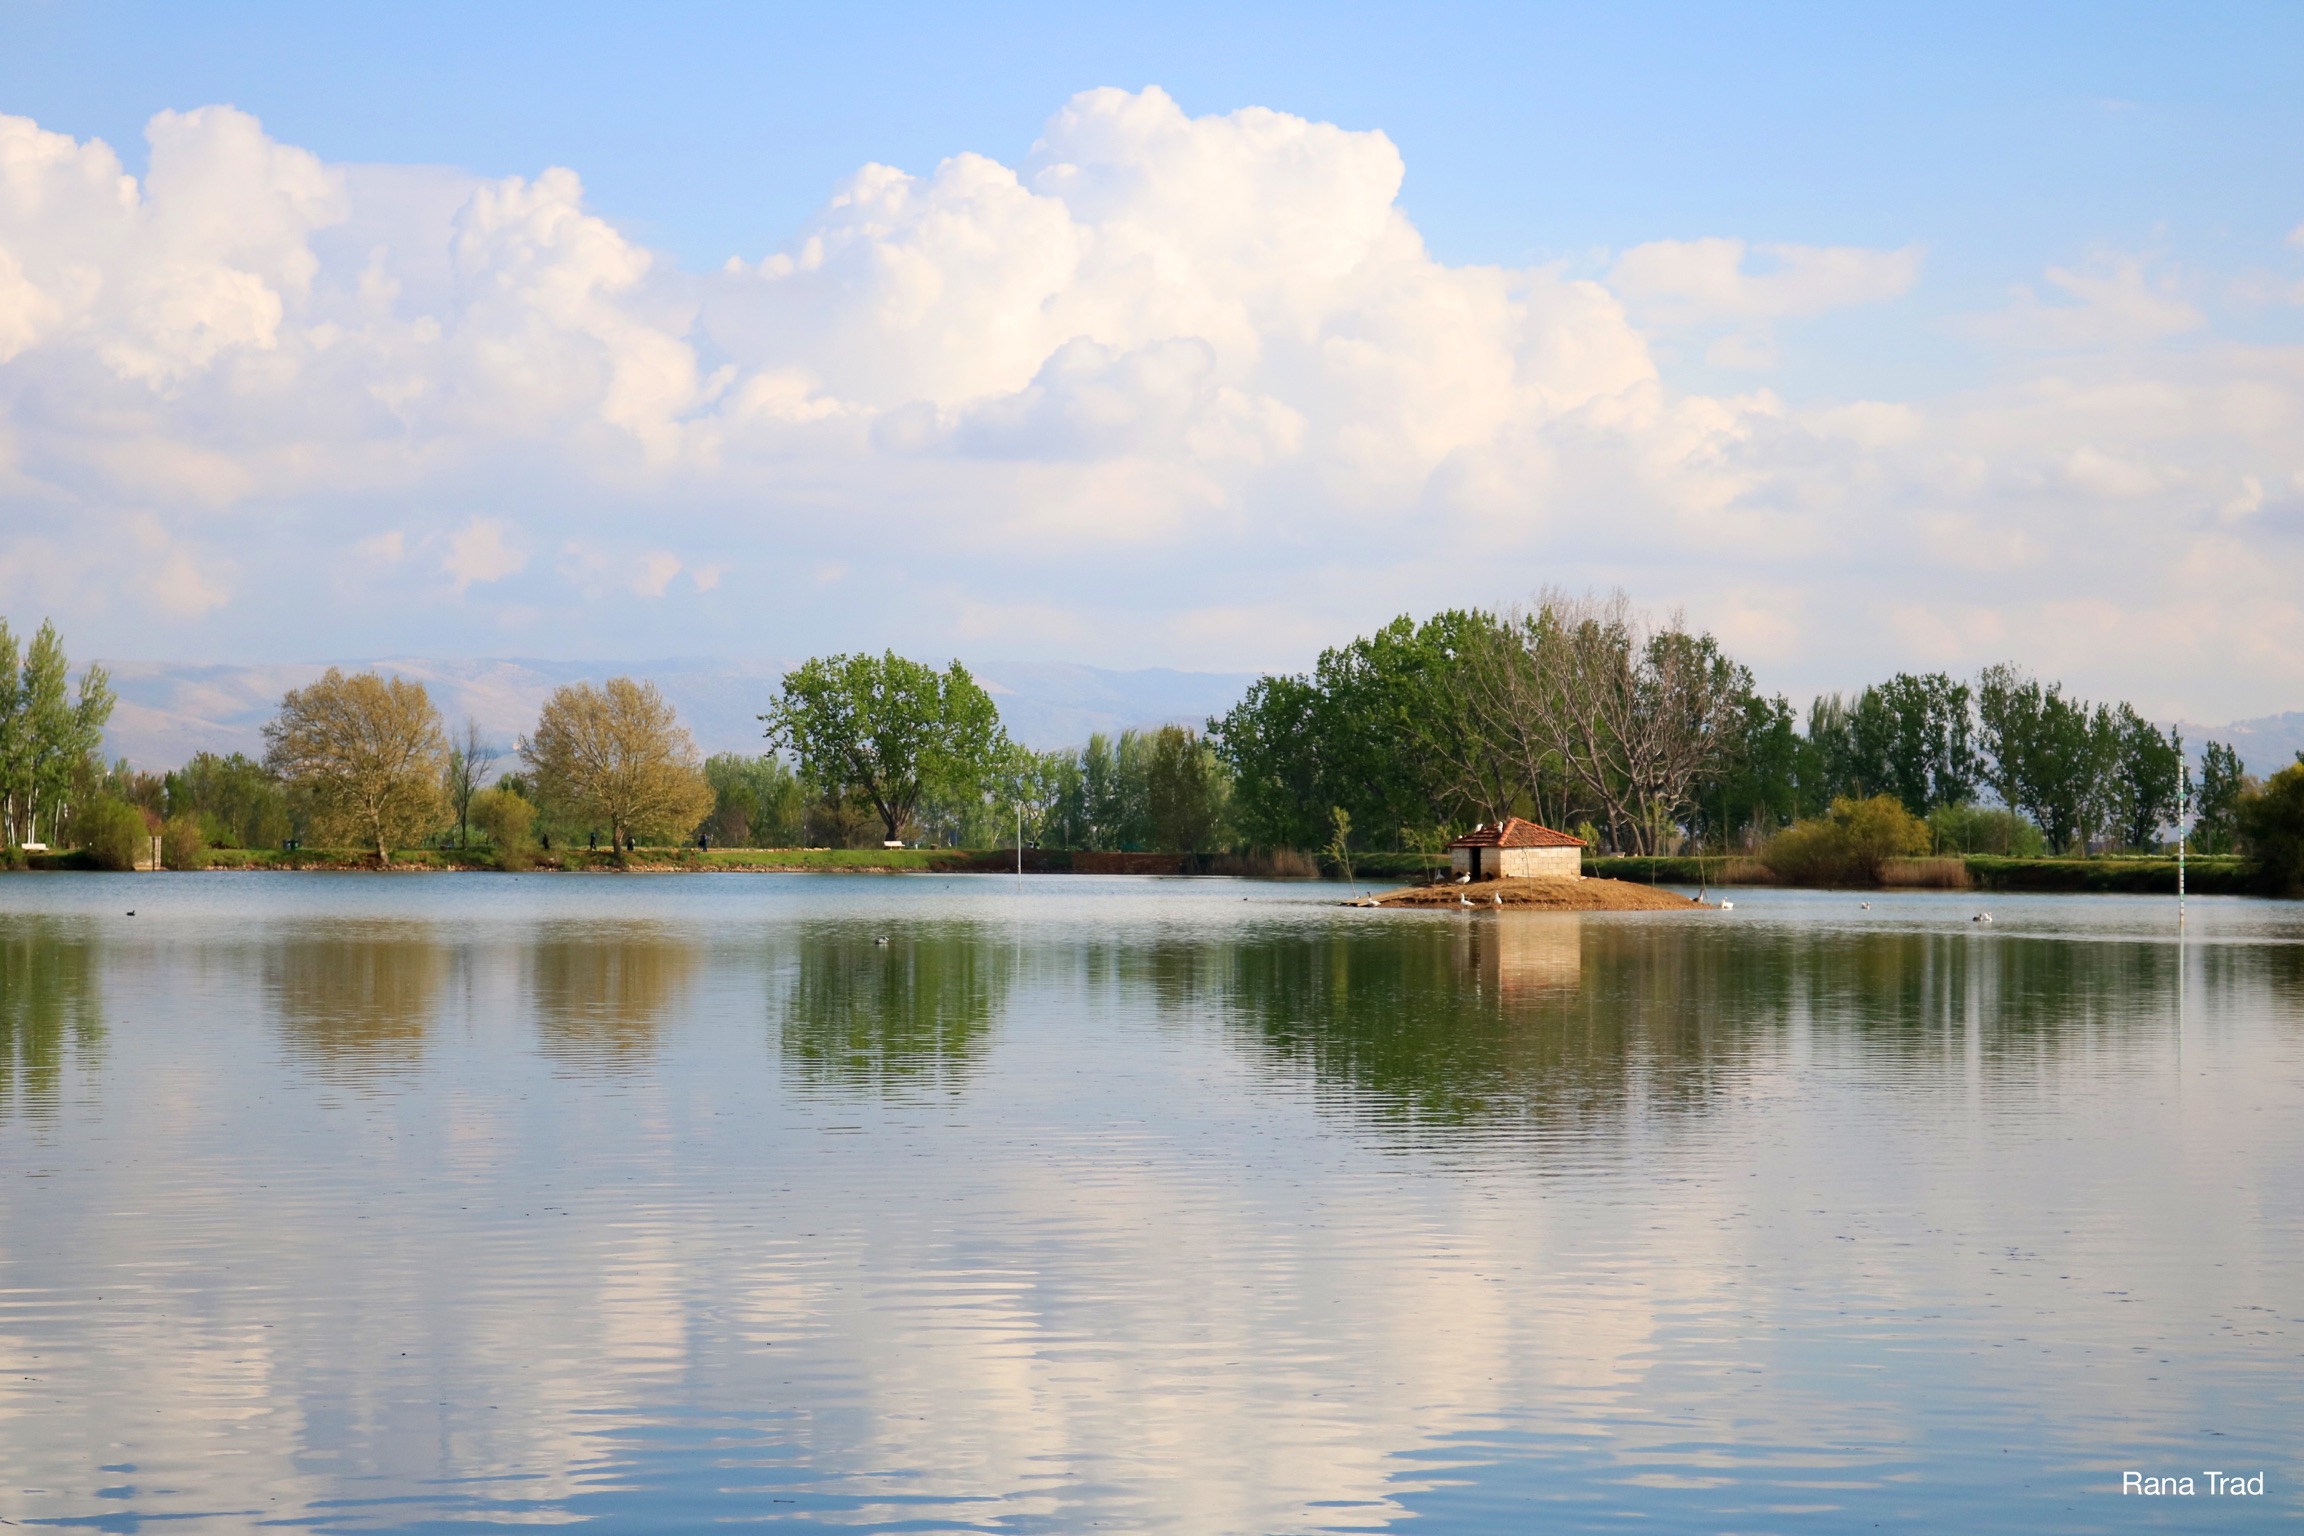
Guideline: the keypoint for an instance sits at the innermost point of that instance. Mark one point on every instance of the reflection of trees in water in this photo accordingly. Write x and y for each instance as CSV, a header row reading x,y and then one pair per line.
x,y
2277,970
357,1005
1545,1020
602,995
50,1011
1475,1023
913,1014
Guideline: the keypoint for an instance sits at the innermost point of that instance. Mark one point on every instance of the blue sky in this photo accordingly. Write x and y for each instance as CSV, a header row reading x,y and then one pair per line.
x,y
2051,198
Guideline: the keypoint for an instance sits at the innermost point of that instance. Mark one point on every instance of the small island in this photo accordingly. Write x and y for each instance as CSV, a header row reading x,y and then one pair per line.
x,y
1516,863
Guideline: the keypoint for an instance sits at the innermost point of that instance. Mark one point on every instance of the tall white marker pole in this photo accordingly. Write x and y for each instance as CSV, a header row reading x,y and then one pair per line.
x,y
1020,848
2183,810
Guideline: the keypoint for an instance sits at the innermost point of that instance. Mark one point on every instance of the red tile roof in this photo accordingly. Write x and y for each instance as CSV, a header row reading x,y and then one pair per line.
x,y
1512,832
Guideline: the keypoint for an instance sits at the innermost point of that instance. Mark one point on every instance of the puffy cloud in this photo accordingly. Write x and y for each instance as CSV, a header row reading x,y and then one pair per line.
x,y
479,551
1215,344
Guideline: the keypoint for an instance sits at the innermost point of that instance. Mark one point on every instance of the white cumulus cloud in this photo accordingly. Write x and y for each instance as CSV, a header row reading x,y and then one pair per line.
x,y
1168,389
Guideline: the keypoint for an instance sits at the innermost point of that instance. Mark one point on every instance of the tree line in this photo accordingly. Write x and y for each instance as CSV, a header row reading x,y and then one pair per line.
x,y
1637,732
1645,736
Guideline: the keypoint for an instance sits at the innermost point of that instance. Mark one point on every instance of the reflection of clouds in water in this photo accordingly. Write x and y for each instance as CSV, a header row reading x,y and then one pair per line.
x,y
602,995
914,1013
356,1003
1204,1351
51,1010
1219,1240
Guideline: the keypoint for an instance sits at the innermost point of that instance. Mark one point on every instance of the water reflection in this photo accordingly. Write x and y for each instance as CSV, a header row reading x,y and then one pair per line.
x,y
602,996
914,1012
356,1006
1276,1219
1557,1022
50,1010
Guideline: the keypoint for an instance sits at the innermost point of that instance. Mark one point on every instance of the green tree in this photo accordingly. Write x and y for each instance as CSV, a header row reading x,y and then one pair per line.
x,y
47,735
2272,828
507,819
2151,769
2041,751
887,729
1983,829
113,832
1849,846
1271,742
236,801
2216,807
1914,737
1757,788
182,844
757,802
1184,791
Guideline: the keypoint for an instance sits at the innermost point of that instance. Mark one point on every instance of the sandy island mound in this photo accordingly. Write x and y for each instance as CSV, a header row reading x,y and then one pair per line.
x,y
1587,895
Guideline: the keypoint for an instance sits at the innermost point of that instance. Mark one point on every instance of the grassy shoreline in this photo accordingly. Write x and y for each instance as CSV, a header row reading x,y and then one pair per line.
x,y
2110,874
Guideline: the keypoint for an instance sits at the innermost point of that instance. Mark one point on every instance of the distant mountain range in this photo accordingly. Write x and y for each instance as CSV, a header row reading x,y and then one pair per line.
x,y
2265,746
168,711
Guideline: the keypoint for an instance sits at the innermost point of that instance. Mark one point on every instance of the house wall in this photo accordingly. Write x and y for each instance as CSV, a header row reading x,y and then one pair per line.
x,y
1541,863
1520,863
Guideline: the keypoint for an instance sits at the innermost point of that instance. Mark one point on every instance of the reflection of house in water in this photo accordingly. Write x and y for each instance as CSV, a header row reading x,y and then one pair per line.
x,y
1517,849
1523,955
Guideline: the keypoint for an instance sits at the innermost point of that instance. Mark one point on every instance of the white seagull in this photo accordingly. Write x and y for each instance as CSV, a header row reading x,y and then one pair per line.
x,y
1981,917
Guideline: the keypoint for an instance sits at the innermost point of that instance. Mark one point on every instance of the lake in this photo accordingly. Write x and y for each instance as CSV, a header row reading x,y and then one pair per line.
x,y
663,1203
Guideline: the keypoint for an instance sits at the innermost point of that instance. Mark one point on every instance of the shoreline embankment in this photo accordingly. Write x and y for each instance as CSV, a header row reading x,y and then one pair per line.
x,y
2111,874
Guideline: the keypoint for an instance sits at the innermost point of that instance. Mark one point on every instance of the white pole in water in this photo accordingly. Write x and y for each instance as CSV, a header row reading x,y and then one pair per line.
x,y
2183,809
1019,847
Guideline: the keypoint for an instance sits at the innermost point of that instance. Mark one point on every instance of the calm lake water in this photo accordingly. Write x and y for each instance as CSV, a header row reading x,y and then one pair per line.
x,y
654,1204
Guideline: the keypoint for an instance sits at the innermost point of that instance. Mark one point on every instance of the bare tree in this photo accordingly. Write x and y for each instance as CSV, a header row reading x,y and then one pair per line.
x,y
1629,714
470,756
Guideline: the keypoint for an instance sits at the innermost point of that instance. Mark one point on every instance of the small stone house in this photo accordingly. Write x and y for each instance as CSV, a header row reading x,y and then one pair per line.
x,y
1513,849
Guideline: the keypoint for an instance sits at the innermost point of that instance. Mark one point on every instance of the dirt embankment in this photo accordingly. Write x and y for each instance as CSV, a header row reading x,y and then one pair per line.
x,y
1586,895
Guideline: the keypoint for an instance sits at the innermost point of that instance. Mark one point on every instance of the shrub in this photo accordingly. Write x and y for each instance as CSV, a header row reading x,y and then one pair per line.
x,y
13,857
508,822
1847,847
2272,828
114,833
1985,829
184,843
